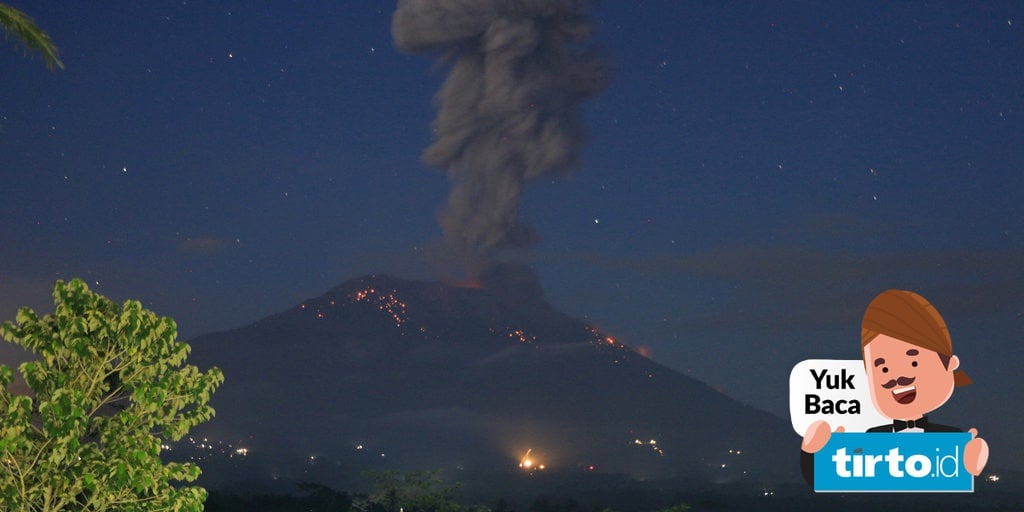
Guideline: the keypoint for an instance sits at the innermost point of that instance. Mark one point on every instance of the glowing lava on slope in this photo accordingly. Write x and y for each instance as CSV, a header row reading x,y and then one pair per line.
x,y
521,336
386,301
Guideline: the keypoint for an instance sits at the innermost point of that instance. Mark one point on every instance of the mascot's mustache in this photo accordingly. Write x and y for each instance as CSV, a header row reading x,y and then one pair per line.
x,y
902,381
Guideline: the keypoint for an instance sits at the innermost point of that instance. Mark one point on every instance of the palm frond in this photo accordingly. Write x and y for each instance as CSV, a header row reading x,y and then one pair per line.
x,y
21,25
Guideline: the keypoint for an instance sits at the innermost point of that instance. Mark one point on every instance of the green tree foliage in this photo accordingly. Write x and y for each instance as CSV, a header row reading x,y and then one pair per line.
x,y
17,23
109,385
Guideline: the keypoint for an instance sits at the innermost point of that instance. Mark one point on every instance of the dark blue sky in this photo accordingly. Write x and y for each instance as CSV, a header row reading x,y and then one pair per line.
x,y
755,174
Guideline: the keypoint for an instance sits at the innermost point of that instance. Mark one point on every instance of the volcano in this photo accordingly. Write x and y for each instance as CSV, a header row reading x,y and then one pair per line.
x,y
387,372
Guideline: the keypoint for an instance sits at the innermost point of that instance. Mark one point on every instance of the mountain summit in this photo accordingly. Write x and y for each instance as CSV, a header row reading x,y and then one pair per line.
x,y
424,375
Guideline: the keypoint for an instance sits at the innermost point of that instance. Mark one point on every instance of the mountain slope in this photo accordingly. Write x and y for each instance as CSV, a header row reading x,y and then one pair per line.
x,y
385,372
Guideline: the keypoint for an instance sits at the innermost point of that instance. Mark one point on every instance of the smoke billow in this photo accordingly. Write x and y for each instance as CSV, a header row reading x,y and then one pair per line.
x,y
507,110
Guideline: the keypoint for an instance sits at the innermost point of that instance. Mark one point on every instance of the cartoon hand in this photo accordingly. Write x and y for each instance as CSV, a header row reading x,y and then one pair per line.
x,y
817,436
975,453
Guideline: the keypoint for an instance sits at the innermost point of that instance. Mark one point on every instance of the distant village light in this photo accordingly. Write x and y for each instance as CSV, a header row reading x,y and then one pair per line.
x,y
529,464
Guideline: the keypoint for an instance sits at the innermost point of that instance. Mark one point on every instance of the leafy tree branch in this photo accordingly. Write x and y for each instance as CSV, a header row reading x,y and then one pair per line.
x,y
17,23
110,384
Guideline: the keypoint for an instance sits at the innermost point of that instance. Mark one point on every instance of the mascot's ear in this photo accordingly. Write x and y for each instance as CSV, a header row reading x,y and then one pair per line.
x,y
954,363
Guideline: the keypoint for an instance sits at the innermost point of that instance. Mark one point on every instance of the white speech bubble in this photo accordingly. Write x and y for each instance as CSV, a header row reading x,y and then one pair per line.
x,y
831,389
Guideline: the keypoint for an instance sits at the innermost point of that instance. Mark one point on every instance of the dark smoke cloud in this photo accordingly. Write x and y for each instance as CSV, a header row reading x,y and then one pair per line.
x,y
507,110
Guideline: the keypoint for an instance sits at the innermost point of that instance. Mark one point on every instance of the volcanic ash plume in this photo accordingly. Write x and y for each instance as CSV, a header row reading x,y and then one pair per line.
x,y
507,110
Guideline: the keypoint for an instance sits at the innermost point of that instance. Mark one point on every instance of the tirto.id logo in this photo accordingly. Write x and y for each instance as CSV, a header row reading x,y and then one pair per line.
x,y
911,462
914,466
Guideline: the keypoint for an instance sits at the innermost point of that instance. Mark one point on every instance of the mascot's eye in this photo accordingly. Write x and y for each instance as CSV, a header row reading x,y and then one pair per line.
x,y
885,369
914,364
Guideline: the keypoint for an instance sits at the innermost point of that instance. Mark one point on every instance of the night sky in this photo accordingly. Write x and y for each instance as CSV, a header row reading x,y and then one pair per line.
x,y
755,173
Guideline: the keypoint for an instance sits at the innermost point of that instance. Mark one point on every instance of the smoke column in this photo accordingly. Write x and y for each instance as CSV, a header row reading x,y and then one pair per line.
x,y
507,109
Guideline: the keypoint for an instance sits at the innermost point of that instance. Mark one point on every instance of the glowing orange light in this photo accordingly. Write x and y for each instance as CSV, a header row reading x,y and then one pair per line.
x,y
519,334
529,464
602,338
525,462
386,302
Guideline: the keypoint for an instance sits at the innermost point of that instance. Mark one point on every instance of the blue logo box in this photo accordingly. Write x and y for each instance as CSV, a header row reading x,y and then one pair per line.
x,y
890,462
